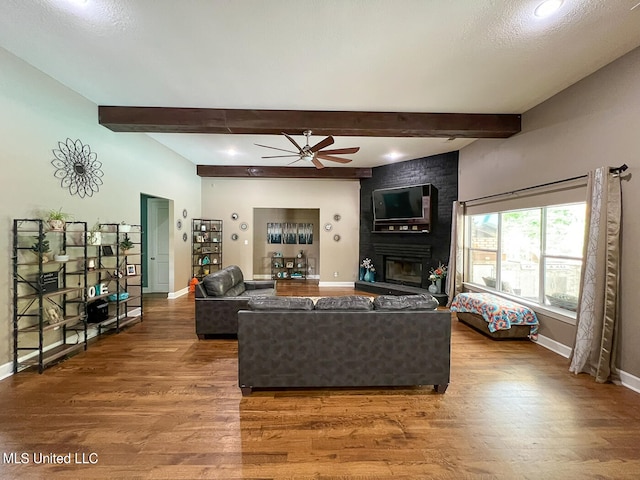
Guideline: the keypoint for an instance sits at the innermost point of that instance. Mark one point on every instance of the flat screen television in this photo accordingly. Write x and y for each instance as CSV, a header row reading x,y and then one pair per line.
x,y
400,203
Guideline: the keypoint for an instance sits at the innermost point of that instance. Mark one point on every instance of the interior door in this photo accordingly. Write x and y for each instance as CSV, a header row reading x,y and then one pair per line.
x,y
158,244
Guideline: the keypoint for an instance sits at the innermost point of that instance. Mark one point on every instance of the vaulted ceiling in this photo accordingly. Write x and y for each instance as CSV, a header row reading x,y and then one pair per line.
x,y
391,60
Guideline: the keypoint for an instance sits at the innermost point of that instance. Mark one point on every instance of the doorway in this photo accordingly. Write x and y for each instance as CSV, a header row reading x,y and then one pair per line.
x,y
156,221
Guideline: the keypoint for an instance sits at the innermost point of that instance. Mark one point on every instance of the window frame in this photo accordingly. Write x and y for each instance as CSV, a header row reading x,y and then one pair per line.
x,y
538,305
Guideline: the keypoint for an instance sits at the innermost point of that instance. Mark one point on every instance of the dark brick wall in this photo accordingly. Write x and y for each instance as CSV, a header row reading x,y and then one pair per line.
x,y
439,170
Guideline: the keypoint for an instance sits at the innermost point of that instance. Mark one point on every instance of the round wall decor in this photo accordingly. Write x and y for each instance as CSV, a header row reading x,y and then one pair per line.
x,y
184,213
336,237
234,236
179,224
184,237
77,168
244,226
328,227
337,217
235,216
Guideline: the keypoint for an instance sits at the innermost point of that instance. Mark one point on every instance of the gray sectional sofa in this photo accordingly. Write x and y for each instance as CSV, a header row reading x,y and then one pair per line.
x,y
343,342
219,297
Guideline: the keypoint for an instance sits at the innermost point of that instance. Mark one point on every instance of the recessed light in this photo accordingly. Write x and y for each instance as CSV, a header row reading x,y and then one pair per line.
x,y
547,8
393,155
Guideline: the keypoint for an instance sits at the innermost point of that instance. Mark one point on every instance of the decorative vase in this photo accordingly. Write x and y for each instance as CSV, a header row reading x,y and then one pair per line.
x,y
362,272
439,285
370,276
433,288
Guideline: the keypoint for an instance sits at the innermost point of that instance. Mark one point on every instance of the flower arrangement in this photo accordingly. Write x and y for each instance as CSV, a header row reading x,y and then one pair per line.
x,y
368,264
438,273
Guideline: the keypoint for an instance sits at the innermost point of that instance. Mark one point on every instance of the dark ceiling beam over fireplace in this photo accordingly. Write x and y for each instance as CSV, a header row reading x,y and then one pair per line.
x,y
295,122
341,173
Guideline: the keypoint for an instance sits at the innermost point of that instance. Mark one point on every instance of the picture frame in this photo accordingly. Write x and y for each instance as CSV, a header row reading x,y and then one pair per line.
x,y
131,270
274,233
107,251
289,233
305,233
289,265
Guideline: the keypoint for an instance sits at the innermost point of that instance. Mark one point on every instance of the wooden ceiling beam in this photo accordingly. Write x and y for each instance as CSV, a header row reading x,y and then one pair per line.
x,y
342,173
295,122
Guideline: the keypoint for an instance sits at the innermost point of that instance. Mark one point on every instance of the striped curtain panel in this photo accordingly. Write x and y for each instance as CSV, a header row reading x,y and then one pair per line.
x,y
455,268
594,351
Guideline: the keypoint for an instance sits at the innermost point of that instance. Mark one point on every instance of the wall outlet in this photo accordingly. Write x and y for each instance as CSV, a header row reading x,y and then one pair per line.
x,y
336,274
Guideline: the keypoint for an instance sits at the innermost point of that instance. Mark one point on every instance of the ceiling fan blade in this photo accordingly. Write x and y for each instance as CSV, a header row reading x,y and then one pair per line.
x,y
281,156
317,163
340,151
322,143
294,161
293,141
274,148
333,159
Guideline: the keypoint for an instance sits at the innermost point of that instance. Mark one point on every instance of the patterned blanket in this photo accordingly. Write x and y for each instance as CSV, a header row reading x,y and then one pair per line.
x,y
499,313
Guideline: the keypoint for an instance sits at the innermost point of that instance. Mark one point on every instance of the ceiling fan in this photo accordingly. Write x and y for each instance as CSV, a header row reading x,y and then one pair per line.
x,y
315,153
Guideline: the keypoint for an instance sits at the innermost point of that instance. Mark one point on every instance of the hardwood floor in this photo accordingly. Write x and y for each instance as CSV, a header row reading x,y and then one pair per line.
x,y
154,402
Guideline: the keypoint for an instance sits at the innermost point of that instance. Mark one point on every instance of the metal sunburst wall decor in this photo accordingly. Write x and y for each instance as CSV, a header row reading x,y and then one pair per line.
x,y
77,168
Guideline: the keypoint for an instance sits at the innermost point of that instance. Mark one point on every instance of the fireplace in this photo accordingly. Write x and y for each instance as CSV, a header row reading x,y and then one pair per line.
x,y
403,271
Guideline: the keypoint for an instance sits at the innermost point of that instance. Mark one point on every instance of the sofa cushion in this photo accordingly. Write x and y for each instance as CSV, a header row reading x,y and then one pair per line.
x,y
347,302
218,284
280,303
405,302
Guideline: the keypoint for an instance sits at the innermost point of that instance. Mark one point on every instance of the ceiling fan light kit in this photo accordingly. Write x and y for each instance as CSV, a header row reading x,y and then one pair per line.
x,y
313,154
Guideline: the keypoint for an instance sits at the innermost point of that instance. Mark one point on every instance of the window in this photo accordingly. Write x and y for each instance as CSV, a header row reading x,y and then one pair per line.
x,y
535,253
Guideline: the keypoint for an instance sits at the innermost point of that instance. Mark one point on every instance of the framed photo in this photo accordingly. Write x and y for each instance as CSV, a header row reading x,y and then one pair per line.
x,y
289,264
107,251
131,269
289,233
305,233
274,233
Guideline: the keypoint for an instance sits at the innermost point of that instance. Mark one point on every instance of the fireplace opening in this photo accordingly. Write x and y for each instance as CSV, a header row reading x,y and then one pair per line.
x,y
403,271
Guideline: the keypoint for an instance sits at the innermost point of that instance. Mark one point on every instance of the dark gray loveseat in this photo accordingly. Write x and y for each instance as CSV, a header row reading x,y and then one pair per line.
x,y
299,345
220,295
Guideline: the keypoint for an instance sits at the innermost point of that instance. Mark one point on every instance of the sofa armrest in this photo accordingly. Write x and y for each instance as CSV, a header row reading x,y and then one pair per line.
x,y
258,284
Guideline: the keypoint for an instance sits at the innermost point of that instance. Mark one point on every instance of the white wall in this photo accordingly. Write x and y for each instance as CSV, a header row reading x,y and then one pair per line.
x,y
35,114
595,122
223,196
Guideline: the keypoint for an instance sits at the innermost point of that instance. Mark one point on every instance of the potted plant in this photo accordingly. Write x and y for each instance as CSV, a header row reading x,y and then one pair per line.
x,y
57,219
126,244
61,257
94,235
41,247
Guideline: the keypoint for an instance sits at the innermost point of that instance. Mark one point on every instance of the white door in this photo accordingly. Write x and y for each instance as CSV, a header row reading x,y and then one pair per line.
x,y
158,244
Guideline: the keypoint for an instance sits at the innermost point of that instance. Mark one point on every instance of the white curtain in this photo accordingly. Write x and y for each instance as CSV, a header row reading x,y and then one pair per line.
x,y
596,336
456,254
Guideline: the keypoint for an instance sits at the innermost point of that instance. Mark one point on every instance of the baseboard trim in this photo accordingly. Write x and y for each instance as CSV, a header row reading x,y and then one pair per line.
x,y
630,381
336,284
554,346
178,294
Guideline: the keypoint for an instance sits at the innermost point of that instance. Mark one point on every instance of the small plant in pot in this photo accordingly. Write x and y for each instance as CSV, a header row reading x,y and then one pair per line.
x,y
41,247
126,244
94,235
61,257
57,219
